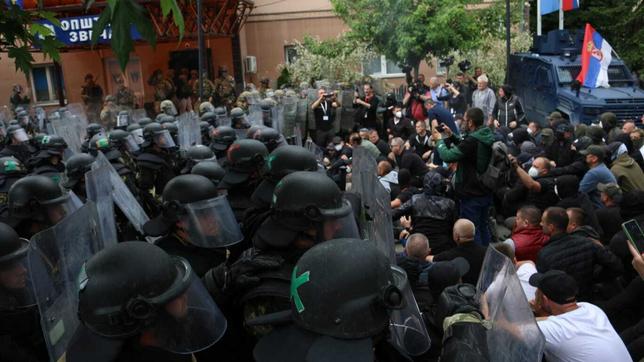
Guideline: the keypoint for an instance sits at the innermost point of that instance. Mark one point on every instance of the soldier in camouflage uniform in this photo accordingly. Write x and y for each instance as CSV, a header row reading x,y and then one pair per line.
x,y
124,96
264,87
224,89
208,89
242,101
163,88
109,112
92,95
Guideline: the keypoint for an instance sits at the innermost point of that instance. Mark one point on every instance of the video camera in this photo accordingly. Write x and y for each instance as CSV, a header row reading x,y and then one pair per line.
x,y
414,87
447,62
465,65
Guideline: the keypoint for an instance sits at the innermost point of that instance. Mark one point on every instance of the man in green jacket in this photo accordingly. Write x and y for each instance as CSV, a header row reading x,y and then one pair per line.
x,y
472,153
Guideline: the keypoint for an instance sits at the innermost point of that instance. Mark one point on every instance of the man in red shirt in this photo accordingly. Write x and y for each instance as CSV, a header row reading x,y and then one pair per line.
x,y
527,235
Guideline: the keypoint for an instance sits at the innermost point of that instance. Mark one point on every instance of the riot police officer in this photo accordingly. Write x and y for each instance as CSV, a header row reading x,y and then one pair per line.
x,y
37,203
244,166
211,170
168,108
269,137
238,121
75,169
21,337
11,170
267,106
154,165
16,144
205,129
195,222
92,130
205,107
49,160
221,139
194,155
152,303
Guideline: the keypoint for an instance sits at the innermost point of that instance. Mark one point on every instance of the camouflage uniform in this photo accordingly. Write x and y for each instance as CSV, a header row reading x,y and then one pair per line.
x,y
125,98
242,101
109,113
224,94
208,89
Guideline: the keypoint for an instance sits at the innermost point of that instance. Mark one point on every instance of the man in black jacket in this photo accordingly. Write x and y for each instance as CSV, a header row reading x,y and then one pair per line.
x,y
577,256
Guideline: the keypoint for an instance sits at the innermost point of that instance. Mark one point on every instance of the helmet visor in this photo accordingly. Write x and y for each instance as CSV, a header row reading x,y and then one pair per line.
x,y
190,322
343,227
131,144
15,282
211,223
20,135
123,120
163,139
57,211
138,136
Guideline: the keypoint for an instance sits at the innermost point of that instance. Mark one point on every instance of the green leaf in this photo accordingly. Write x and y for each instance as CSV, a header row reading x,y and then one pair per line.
x,y
121,37
22,58
168,6
36,29
143,24
51,47
100,25
49,16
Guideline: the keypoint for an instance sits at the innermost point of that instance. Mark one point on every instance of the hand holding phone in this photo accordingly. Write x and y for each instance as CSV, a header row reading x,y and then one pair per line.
x,y
635,235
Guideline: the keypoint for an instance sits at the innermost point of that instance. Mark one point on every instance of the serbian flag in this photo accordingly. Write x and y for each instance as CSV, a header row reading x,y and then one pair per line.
x,y
596,55
550,6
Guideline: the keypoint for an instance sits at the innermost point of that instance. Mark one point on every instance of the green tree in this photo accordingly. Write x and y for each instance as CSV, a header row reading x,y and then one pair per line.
x,y
620,22
408,31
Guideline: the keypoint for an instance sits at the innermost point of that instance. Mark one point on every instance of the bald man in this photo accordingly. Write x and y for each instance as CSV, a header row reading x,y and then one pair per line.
x,y
463,233
417,247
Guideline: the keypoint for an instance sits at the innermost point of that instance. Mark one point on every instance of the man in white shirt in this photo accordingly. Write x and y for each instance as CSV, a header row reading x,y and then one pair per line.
x,y
525,268
577,332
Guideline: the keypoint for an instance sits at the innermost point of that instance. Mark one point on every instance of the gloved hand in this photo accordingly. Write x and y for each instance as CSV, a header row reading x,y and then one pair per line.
x,y
225,280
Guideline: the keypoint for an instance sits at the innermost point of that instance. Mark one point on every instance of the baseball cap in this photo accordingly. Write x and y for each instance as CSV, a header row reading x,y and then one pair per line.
x,y
595,150
558,286
336,140
611,189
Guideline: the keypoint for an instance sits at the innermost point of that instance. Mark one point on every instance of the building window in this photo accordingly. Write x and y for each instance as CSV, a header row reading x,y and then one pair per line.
x,y
380,67
290,54
44,83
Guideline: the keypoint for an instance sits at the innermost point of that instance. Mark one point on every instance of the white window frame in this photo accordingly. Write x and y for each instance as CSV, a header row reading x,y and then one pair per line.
x,y
53,96
288,47
383,71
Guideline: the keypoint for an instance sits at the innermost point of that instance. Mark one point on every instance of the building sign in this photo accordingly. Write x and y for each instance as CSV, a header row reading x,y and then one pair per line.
x,y
78,30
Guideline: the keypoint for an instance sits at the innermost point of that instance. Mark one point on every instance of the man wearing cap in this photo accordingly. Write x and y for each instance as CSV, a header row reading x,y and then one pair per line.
x,y
598,172
578,256
608,121
573,331
628,173
561,150
609,217
484,98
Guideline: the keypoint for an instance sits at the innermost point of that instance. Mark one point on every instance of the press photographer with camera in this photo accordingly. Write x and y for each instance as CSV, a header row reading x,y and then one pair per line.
x,y
415,97
324,112
457,102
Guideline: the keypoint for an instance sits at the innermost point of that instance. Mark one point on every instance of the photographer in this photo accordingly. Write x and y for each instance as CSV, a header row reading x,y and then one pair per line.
x,y
457,101
414,99
367,106
324,111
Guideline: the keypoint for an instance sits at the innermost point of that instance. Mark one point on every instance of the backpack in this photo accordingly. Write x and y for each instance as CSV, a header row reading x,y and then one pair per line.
x,y
497,173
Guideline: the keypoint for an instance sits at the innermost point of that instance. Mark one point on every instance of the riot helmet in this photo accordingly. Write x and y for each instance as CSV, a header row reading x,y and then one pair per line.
x,y
198,153
191,203
222,137
75,169
205,107
308,204
54,145
99,142
164,118
245,159
238,119
172,128
270,138
338,303
40,199
154,134
168,108
93,129
123,140
144,121
136,288
136,130
210,118
15,285
210,169
10,165
16,135
281,162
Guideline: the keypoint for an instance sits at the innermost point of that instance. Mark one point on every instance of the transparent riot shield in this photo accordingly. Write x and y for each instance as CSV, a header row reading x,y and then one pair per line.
x,y
297,134
138,114
302,113
41,116
255,115
289,114
56,256
311,96
121,194
314,149
189,130
78,110
407,327
514,333
99,190
375,221
70,128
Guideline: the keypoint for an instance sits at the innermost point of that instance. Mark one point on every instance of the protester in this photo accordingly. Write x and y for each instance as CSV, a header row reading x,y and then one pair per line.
x,y
463,235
